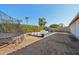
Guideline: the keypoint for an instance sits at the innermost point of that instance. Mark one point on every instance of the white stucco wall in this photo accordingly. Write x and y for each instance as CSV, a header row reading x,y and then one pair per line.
x,y
77,28
74,28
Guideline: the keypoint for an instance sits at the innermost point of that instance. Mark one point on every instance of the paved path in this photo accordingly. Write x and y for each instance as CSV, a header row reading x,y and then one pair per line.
x,y
55,44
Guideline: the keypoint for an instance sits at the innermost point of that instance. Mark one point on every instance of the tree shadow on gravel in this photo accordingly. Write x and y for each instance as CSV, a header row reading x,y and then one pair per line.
x,y
73,38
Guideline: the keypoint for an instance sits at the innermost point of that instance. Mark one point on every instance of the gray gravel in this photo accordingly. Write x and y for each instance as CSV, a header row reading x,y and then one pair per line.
x,y
56,44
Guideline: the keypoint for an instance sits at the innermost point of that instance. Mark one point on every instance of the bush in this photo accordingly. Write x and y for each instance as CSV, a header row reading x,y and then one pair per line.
x,y
30,28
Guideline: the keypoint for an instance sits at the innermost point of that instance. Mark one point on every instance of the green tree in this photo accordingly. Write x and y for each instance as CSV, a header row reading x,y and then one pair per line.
x,y
42,21
61,25
55,26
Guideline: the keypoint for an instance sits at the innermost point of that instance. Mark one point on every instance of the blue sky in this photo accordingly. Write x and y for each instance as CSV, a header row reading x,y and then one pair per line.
x,y
54,13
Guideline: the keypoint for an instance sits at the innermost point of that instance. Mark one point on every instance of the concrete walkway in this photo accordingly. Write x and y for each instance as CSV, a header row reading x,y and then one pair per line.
x,y
55,44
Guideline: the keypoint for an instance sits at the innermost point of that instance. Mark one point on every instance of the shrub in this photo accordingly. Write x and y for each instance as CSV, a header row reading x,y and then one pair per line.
x,y
30,28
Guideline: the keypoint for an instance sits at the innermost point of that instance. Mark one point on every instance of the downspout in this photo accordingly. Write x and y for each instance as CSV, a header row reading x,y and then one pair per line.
x,y
75,29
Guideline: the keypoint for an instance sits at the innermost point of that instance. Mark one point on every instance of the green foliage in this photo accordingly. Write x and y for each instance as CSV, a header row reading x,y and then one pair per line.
x,y
9,26
54,25
30,28
59,27
42,21
46,28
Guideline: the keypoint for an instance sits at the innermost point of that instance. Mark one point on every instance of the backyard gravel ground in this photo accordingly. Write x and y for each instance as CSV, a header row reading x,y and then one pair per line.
x,y
56,44
12,47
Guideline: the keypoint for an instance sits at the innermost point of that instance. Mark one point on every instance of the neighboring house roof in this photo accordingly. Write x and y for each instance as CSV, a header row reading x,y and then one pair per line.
x,y
74,19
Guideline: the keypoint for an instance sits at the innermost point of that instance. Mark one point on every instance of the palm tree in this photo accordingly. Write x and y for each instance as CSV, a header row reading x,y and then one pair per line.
x,y
26,19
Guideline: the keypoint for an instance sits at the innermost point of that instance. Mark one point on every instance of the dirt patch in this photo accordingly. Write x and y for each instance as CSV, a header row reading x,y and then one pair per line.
x,y
13,47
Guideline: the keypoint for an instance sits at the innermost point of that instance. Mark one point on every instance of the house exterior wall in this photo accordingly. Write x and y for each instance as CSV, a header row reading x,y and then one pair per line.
x,y
77,28
74,28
